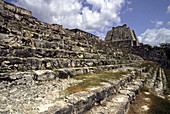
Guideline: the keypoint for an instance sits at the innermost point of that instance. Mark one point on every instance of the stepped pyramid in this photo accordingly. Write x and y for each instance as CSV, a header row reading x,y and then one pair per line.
x,y
38,61
28,44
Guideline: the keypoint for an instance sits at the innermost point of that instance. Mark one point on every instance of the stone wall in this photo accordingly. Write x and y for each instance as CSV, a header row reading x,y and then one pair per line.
x,y
158,56
14,8
125,37
29,44
11,15
38,62
83,33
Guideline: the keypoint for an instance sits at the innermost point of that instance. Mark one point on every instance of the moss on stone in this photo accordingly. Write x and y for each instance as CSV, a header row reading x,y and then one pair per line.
x,y
93,80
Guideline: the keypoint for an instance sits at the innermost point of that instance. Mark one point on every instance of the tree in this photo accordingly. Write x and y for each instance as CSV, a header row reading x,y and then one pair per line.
x,y
166,48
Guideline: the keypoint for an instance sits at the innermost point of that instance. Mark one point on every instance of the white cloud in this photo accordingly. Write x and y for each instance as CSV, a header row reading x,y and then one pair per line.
x,y
155,36
129,2
157,23
129,9
95,16
168,9
168,23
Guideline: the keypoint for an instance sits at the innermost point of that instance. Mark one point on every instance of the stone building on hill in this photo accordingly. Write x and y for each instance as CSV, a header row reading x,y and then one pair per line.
x,y
122,36
125,37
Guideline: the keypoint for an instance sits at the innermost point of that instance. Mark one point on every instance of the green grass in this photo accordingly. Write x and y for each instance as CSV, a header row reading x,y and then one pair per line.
x,y
159,105
141,76
146,64
144,89
167,74
93,80
153,72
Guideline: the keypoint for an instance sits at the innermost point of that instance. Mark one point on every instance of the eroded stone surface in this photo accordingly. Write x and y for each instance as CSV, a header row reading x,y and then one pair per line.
x,y
35,57
34,98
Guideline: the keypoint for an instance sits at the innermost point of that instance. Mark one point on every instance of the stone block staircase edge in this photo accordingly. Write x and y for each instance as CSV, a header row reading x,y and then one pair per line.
x,y
83,102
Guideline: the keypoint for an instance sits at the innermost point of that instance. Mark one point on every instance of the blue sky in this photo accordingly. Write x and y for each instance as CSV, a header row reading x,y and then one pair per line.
x,y
149,18
144,12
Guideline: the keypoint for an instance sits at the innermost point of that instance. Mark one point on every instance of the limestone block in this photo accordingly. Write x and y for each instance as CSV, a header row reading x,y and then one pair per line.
x,y
18,17
17,78
27,33
33,64
103,92
81,101
16,32
9,6
25,12
59,107
134,88
119,104
22,52
131,94
89,63
4,37
44,75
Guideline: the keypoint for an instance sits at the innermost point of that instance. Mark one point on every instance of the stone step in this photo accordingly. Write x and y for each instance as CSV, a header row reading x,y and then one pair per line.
x,y
48,99
119,103
158,83
41,53
27,31
27,78
24,52
121,91
33,63
65,44
62,43
151,81
53,43
37,30
158,87
108,99
164,80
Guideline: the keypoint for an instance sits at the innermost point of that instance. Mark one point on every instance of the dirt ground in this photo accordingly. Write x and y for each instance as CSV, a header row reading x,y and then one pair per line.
x,y
141,104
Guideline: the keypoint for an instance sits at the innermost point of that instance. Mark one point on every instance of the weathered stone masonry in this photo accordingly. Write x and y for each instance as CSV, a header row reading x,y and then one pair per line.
x,y
14,8
37,61
123,36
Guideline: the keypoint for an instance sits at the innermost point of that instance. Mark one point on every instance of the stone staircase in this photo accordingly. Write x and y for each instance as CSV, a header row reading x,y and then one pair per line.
x,y
39,61
24,95
29,45
158,84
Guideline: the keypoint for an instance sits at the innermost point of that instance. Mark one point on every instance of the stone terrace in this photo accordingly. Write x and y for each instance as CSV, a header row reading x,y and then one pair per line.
x,y
38,62
28,44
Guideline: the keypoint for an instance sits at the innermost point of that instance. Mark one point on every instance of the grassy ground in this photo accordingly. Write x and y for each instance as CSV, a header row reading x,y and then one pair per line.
x,y
159,105
146,64
167,73
93,80
155,104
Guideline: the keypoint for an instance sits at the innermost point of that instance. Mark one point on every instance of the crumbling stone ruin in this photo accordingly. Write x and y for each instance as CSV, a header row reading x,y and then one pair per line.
x,y
40,62
125,37
122,36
